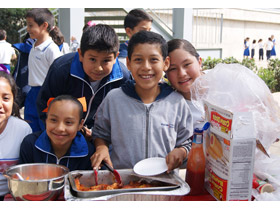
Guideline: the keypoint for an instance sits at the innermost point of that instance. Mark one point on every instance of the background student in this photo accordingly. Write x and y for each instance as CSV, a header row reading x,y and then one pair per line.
x,y
7,53
44,51
143,118
136,20
261,45
246,52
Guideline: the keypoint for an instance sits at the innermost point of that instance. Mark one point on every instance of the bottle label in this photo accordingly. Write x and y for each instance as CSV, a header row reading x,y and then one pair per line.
x,y
197,138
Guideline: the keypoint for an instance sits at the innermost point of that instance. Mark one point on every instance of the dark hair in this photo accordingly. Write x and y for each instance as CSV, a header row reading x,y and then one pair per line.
x,y
57,35
3,34
175,44
69,98
246,40
254,41
147,37
100,38
134,17
12,83
260,40
41,15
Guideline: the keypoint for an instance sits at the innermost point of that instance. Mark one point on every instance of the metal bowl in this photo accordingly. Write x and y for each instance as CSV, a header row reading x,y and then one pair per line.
x,y
42,181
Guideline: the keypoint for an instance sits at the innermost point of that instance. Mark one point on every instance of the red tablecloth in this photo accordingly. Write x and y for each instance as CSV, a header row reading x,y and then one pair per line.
x,y
9,197
205,197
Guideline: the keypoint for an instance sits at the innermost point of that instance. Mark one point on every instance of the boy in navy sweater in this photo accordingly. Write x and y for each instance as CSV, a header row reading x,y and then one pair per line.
x,y
135,21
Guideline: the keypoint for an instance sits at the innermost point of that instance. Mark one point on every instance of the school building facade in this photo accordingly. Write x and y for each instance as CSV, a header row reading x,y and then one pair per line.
x,y
215,32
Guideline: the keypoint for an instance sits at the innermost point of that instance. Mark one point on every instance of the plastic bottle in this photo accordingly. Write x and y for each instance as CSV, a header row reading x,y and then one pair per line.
x,y
195,173
261,186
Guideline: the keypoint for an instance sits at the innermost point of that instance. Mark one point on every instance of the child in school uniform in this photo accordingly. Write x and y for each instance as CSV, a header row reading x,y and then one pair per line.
x,y
261,45
136,20
12,128
90,73
7,53
44,51
61,142
144,118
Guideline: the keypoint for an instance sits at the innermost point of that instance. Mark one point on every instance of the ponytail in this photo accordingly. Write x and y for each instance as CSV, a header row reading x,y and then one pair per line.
x,y
56,35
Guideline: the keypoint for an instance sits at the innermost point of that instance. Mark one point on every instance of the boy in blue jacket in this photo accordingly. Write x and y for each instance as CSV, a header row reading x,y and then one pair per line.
x,y
144,118
61,142
91,72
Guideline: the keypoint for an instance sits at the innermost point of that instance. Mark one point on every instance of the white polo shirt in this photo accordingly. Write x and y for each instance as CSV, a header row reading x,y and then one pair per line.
x,y
40,59
6,52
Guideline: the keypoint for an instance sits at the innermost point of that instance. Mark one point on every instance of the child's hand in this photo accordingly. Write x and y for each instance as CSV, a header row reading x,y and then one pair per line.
x,y
102,153
175,158
87,133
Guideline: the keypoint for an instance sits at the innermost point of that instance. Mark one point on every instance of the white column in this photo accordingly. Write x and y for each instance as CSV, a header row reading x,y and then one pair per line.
x,y
71,22
182,23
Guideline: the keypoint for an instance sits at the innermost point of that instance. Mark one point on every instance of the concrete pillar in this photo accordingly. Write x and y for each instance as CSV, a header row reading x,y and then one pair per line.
x,y
71,22
182,23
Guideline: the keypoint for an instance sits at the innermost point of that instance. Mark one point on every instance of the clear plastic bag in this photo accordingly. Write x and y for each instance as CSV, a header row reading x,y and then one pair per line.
x,y
238,89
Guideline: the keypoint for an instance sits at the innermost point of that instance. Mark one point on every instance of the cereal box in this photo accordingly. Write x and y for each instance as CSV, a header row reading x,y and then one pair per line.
x,y
230,145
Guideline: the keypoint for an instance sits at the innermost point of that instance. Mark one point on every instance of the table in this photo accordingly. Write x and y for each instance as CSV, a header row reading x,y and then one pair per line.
x,y
204,197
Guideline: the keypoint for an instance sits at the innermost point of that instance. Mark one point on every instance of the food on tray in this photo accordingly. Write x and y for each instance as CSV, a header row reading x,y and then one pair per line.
x,y
132,184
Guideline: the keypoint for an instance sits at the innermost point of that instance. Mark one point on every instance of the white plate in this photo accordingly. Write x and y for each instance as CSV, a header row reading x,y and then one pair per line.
x,y
150,166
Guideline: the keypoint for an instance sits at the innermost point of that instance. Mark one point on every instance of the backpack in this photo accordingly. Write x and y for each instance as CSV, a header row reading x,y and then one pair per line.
x,y
20,73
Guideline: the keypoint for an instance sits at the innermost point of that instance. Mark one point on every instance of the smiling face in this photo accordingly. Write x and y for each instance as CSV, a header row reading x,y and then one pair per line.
x,y
184,69
97,65
35,31
62,125
146,66
6,103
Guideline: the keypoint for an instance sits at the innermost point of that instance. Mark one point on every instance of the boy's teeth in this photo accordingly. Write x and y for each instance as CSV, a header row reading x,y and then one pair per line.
x,y
146,76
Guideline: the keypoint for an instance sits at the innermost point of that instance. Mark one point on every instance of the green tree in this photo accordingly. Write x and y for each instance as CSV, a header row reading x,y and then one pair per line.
x,y
12,19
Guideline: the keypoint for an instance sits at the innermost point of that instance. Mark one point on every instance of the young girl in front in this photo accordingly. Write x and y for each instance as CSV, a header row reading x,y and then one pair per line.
x,y
185,67
12,128
61,142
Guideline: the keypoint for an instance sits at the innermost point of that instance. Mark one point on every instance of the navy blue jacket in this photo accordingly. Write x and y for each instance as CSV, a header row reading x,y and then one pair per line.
x,y
20,73
36,148
123,50
66,76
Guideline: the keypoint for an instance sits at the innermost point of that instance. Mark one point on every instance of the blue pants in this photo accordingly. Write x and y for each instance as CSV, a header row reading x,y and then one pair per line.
x,y
8,66
30,110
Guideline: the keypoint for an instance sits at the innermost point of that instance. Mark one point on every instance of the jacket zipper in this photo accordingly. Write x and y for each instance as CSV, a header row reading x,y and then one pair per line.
x,y
58,160
93,94
147,130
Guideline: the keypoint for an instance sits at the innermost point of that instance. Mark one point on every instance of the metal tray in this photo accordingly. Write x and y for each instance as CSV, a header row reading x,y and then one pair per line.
x,y
106,177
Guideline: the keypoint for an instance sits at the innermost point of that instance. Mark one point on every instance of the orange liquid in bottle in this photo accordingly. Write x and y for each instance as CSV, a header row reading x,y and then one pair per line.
x,y
196,166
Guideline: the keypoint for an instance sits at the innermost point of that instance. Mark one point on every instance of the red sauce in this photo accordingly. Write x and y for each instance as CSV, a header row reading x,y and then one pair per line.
x,y
195,180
